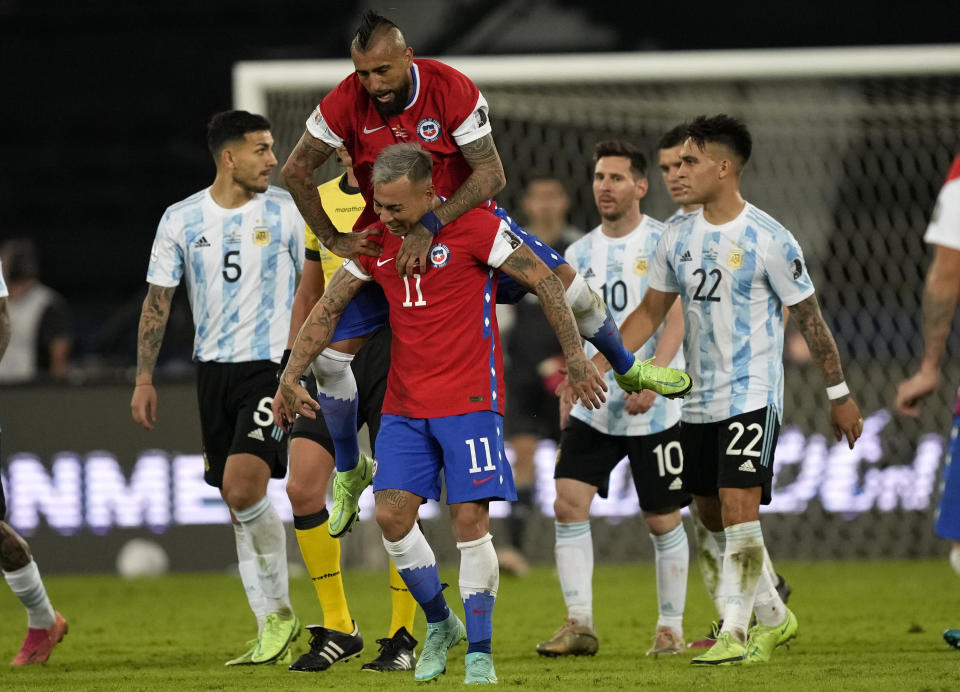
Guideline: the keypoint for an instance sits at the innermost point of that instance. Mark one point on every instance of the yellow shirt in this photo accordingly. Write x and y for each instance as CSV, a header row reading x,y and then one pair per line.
x,y
343,206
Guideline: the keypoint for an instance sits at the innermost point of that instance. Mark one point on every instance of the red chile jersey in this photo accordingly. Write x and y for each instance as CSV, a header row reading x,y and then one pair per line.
x,y
445,111
445,355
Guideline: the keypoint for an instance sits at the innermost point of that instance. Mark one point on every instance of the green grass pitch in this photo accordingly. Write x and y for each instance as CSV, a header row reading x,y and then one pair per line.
x,y
863,626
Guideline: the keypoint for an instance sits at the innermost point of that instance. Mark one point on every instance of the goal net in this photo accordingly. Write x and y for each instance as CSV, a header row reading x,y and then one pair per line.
x,y
850,149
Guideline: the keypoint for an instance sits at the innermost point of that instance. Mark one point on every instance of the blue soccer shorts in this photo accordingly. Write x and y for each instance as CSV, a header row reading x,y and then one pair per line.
x,y
508,290
467,450
948,513
367,312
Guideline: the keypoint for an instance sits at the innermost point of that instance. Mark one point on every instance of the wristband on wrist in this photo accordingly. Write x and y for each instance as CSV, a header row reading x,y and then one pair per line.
x,y
431,222
837,391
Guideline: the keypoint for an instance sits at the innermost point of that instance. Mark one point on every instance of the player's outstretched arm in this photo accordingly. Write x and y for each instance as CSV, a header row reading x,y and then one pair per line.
x,y
485,181
844,412
307,157
668,343
5,330
643,322
941,294
535,276
153,323
314,336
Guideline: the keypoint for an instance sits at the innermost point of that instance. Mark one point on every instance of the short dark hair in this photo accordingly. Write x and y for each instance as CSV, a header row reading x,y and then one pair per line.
x,y
370,23
231,126
673,137
722,129
619,147
403,159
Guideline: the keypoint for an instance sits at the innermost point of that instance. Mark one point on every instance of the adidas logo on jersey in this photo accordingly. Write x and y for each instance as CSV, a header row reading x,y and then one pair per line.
x,y
685,257
748,466
677,484
256,434
201,242
589,273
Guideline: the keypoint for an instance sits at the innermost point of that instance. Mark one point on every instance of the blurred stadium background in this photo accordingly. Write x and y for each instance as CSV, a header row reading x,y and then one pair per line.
x,y
849,155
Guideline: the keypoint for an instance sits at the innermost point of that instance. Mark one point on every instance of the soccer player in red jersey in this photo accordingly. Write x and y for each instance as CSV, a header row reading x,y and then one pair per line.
x,y
443,410
393,98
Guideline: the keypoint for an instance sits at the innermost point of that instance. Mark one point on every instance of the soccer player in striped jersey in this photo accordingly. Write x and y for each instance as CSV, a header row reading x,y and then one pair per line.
x,y
940,298
709,553
735,268
239,245
443,409
312,462
45,626
614,257
392,97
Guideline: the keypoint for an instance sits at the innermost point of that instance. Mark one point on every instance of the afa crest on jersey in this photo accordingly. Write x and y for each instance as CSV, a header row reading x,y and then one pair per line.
x,y
735,260
439,255
261,236
428,129
640,264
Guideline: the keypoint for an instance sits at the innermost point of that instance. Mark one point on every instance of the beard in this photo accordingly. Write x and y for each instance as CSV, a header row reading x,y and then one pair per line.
x,y
396,105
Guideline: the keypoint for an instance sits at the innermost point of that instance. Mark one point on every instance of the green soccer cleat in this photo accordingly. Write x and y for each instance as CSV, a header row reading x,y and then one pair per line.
x,y
726,652
275,639
441,637
479,669
668,382
763,640
347,487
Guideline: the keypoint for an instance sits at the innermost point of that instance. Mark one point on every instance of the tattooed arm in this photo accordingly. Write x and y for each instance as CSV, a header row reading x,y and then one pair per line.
x,y
314,336
486,180
4,326
941,294
536,277
844,412
307,157
153,323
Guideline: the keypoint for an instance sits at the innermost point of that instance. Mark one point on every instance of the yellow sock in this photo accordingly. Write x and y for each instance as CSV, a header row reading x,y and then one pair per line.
x,y
321,555
404,606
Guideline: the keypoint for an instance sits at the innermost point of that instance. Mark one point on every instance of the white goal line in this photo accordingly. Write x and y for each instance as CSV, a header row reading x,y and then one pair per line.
x,y
252,78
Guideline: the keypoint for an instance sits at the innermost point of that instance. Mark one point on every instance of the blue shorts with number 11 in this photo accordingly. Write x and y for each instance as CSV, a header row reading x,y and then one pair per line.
x,y
467,449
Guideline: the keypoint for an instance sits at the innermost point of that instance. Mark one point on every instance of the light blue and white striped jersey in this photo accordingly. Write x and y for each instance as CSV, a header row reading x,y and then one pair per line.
x,y
618,270
3,286
733,281
241,267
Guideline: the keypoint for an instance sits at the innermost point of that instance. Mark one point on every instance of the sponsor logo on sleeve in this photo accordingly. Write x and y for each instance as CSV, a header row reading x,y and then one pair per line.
x,y
481,117
797,269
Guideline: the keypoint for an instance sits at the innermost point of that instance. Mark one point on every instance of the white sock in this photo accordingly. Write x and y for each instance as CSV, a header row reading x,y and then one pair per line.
x,y
718,545
955,557
412,551
588,308
267,539
574,552
334,375
479,569
742,565
247,564
767,604
27,585
672,555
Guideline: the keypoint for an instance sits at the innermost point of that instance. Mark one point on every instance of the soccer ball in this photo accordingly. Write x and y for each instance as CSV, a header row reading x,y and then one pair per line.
x,y
140,557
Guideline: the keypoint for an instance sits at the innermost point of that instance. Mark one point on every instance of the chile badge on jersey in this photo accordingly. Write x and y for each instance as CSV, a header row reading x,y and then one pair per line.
x,y
445,355
240,266
445,111
733,280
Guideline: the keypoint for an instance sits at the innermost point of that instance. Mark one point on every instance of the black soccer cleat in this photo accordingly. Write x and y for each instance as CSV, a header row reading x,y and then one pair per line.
x,y
328,647
783,589
396,653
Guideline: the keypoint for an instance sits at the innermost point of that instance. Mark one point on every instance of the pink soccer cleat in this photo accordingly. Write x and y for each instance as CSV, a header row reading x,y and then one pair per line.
x,y
39,643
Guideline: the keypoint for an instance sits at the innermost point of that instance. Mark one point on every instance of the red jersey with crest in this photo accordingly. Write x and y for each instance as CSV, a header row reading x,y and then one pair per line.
x,y
445,111
445,358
